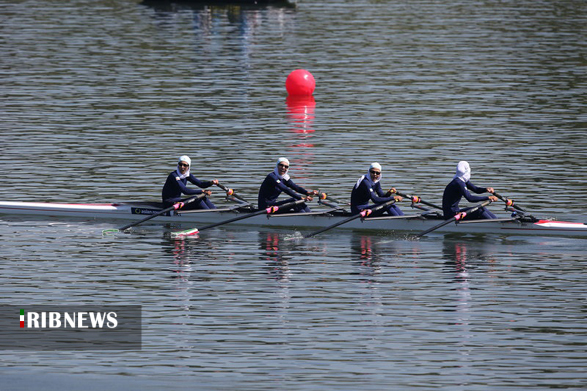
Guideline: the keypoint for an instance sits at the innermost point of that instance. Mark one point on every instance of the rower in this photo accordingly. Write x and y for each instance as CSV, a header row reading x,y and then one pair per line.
x,y
175,186
368,188
459,187
279,181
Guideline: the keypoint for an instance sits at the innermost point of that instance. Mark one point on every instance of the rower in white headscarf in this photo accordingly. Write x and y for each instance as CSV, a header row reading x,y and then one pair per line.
x,y
281,169
459,187
279,181
368,188
176,182
463,171
370,177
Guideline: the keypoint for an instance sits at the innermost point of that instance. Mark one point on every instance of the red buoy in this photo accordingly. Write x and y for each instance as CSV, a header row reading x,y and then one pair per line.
x,y
300,83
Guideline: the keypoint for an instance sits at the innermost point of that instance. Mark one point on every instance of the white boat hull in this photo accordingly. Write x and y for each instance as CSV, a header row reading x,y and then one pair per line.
x,y
407,224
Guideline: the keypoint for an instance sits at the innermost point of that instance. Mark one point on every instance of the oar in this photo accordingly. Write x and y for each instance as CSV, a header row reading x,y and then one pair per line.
x,y
270,210
508,202
230,192
364,213
163,211
416,199
457,217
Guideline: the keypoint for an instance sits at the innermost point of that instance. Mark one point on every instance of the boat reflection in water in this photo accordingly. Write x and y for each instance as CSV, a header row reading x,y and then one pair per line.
x,y
173,5
209,16
462,255
276,261
278,270
462,258
210,19
366,256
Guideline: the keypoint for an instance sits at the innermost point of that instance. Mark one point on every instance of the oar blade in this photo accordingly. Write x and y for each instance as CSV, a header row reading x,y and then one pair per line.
x,y
184,234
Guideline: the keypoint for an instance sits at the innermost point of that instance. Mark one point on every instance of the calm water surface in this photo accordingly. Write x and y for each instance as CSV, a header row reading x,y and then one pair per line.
x,y
98,99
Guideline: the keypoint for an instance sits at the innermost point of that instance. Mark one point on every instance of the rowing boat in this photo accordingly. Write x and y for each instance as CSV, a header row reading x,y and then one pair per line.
x,y
410,223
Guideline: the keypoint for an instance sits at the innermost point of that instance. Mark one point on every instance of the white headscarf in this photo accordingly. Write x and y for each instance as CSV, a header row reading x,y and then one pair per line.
x,y
186,159
463,171
286,175
368,176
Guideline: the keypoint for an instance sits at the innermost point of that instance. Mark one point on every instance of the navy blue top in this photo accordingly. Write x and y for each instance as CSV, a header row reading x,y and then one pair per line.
x,y
174,187
361,195
272,187
456,190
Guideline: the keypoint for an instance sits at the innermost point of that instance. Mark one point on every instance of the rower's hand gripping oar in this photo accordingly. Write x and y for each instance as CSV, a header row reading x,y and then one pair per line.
x,y
416,199
268,211
364,213
176,206
457,217
508,202
231,193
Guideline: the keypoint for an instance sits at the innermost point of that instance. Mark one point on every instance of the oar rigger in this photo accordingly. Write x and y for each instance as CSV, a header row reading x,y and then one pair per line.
x,y
508,202
231,195
521,216
327,200
415,199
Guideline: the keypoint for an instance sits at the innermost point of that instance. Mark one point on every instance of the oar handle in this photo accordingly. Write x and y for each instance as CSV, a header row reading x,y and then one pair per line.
x,y
416,200
508,202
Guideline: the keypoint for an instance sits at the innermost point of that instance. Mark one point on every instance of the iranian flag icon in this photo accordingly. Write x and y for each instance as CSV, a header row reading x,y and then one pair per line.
x,y
22,319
